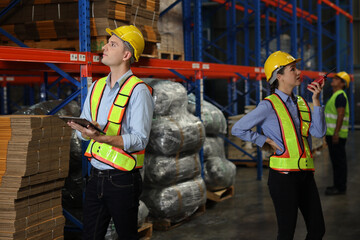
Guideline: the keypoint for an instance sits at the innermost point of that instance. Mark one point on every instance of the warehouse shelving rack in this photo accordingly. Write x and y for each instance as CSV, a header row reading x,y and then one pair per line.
x,y
263,16
258,13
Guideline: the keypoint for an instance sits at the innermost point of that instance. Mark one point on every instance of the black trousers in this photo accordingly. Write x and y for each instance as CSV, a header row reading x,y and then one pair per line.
x,y
293,191
338,159
111,194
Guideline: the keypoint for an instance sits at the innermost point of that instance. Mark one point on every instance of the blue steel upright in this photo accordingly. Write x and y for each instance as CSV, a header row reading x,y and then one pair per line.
x,y
85,46
351,65
187,21
231,34
85,76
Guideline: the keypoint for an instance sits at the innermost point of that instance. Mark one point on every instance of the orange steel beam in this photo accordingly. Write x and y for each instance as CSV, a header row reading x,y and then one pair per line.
x,y
241,8
337,9
287,7
32,65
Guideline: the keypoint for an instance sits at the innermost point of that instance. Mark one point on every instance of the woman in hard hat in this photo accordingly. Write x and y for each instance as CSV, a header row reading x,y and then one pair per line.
x,y
287,122
337,115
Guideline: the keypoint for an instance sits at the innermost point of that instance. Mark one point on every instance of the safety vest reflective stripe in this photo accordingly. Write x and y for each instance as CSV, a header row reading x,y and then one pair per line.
x,y
334,116
115,157
294,158
333,125
117,110
331,116
97,95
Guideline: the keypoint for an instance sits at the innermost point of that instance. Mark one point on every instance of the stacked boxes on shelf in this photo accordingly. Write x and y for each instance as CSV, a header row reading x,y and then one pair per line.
x,y
34,161
171,31
54,24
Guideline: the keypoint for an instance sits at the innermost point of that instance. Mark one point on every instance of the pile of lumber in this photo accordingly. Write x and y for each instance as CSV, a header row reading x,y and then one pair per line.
x,y
34,161
35,21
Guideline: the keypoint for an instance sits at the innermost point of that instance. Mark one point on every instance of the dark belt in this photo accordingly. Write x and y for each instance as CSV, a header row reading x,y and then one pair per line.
x,y
110,172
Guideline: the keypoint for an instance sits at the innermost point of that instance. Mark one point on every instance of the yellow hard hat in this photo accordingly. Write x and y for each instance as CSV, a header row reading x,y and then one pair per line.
x,y
274,62
132,35
344,76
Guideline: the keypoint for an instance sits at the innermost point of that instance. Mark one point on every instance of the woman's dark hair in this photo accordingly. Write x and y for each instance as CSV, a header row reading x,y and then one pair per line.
x,y
275,84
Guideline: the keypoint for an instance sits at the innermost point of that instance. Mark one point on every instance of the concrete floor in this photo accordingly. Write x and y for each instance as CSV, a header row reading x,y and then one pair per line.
x,y
250,214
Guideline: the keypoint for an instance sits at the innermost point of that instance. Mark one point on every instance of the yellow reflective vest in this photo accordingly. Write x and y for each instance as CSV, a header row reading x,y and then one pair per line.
x,y
296,157
115,157
331,116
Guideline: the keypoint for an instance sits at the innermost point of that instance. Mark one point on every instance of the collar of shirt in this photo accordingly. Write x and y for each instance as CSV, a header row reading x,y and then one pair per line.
x,y
121,80
286,97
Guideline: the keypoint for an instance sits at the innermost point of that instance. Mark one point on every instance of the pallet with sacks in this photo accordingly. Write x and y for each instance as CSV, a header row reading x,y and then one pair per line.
x,y
166,224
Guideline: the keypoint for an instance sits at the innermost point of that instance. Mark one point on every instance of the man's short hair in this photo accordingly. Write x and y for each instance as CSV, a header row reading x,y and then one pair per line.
x,y
131,49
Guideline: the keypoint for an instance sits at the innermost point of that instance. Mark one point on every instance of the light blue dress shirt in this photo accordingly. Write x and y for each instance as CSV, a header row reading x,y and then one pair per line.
x,y
265,116
136,124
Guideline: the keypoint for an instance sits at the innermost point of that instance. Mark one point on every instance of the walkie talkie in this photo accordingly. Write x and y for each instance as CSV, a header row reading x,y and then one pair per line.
x,y
322,78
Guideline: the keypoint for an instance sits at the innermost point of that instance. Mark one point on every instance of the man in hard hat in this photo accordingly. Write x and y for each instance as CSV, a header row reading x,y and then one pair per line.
x,y
337,122
122,106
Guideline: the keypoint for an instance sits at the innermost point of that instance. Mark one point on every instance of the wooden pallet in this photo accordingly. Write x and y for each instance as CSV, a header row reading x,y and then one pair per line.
x,y
145,231
166,224
170,55
221,195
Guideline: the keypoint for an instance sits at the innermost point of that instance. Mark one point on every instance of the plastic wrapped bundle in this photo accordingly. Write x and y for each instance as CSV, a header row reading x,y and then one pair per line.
x,y
213,119
75,146
43,108
176,202
175,134
111,231
169,97
219,173
142,214
169,170
214,146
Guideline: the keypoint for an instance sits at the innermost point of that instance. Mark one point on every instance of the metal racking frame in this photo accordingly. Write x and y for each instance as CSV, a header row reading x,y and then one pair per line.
x,y
272,18
260,13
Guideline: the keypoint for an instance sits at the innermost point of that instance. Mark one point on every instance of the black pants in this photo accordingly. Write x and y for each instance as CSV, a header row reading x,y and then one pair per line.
x,y
338,159
293,191
111,194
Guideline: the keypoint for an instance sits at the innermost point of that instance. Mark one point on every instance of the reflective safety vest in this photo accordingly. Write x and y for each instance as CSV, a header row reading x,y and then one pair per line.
x,y
296,157
113,156
331,116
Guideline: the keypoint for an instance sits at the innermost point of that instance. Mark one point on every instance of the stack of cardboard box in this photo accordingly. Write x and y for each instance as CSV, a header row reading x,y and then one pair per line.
x,y
54,24
171,31
34,157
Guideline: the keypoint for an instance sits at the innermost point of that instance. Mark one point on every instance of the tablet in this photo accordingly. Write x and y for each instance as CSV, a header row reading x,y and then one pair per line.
x,y
81,121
